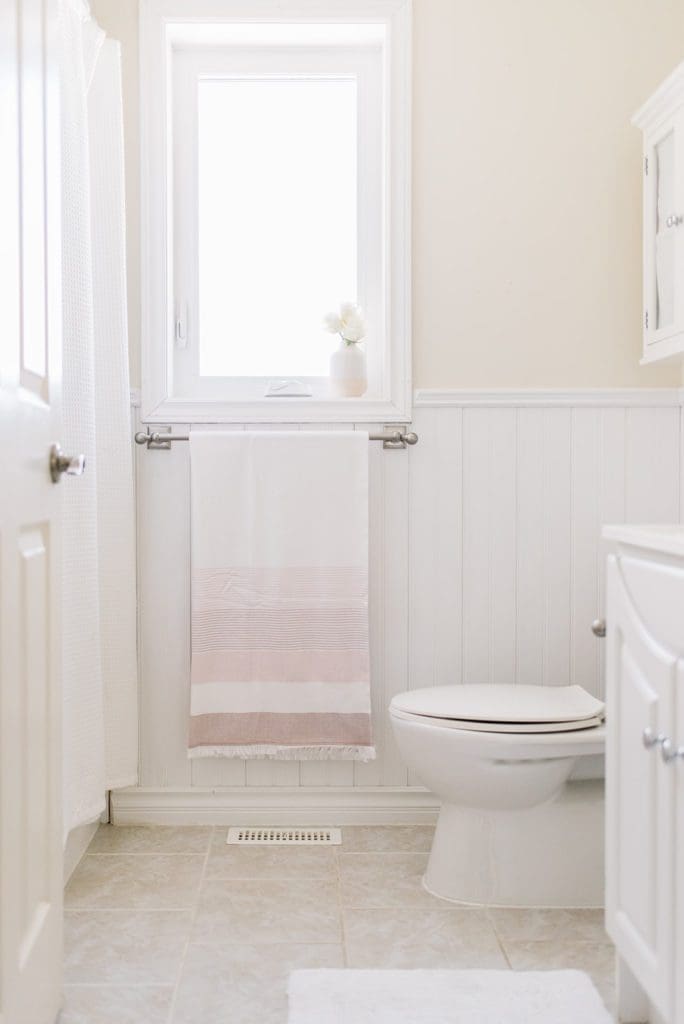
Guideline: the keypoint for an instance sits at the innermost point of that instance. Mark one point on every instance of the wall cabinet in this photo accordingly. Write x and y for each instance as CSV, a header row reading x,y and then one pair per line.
x,y
661,120
645,770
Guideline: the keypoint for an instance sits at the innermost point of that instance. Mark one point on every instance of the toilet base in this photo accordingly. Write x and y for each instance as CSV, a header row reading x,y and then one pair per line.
x,y
546,856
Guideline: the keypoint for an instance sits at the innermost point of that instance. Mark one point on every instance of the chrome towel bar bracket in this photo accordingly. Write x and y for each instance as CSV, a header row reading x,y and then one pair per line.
x,y
161,439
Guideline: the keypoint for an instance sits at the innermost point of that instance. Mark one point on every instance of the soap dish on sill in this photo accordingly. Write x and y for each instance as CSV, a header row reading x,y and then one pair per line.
x,y
288,387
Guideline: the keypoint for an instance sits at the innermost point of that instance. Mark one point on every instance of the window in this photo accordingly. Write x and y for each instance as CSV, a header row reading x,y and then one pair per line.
x,y
276,187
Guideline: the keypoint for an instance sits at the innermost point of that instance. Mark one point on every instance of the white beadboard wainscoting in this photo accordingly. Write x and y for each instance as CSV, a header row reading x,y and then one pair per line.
x,y
486,565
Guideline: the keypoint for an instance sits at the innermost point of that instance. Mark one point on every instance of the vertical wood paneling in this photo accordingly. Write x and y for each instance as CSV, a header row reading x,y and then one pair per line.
x,y
489,559
557,532
585,536
435,550
502,521
485,565
530,555
652,466
611,507
476,547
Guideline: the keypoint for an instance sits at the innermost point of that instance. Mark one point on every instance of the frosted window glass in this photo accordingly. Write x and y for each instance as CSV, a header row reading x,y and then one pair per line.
x,y
277,246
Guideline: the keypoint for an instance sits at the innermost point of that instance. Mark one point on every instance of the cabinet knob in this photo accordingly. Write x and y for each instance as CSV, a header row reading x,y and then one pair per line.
x,y
650,739
598,627
669,752
674,220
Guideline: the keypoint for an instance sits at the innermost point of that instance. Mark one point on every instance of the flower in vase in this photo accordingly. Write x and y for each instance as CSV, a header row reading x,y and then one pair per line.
x,y
348,323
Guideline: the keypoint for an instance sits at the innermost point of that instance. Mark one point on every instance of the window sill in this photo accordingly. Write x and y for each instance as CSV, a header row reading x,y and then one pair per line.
x,y
278,410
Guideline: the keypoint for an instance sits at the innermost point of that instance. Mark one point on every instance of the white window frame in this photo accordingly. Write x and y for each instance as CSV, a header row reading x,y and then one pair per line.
x,y
162,23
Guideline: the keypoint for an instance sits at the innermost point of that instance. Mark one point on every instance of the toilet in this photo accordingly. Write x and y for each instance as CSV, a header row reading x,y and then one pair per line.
x,y
512,829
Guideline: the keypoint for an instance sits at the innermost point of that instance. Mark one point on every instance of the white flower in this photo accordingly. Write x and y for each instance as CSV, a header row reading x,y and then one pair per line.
x,y
332,323
349,324
353,328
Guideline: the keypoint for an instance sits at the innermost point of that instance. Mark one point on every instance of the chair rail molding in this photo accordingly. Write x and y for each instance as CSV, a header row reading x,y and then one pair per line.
x,y
549,397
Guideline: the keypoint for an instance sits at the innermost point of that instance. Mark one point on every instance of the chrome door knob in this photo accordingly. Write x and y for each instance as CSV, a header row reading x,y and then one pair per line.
x,y
598,627
650,739
72,465
674,220
669,752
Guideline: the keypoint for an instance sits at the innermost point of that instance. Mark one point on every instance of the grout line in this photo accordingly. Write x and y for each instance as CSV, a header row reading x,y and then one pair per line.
x,y
193,917
145,853
340,907
499,940
118,984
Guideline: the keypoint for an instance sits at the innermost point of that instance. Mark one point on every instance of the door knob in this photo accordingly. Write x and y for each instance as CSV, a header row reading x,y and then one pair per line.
x,y
72,465
674,220
669,752
650,739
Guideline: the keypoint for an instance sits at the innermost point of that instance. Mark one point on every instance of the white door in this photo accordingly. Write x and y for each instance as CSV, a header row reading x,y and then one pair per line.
x,y
641,678
30,711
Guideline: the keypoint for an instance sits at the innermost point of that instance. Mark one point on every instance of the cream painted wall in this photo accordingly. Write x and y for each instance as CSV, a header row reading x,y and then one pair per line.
x,y
527,187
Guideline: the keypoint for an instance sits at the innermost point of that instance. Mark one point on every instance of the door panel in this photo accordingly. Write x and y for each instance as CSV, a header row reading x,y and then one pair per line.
x,y
30,699
641,678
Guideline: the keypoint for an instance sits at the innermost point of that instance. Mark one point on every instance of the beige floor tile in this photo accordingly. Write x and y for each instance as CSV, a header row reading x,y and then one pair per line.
x,y
597,959
269,862
387,839
116,1004
124,947
406,939
268,911
119,881
151,839
385,880
244,984
539,925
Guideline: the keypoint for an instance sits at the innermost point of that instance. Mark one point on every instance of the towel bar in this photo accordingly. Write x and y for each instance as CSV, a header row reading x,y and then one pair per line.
x,y
391,437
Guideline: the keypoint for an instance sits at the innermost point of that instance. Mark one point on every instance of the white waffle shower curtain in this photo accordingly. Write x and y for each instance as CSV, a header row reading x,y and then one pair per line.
x,y
99,673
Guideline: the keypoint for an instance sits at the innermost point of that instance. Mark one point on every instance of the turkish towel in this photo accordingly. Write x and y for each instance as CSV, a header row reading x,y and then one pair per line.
x,y
280,664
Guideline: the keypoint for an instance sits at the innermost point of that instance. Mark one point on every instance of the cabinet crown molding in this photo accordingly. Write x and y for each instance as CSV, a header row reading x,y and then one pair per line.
x,y
667,97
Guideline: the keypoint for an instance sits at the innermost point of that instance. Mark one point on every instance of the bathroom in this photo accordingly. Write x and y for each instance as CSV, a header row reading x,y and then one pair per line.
x,y
454,306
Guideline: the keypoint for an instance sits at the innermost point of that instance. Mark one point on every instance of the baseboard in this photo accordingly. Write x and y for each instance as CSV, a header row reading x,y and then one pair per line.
x,y
275,805
78,841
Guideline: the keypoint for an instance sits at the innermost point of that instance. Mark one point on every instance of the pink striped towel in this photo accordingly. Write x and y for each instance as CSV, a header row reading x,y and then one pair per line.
x,y
280,595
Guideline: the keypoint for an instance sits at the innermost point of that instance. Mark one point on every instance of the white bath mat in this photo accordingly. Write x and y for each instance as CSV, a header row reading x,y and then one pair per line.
x,y
444,997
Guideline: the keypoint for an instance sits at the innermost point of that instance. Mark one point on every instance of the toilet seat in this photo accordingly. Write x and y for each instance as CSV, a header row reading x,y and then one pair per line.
x,y
502,708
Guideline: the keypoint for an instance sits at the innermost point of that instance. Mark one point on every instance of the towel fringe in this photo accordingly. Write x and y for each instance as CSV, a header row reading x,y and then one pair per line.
x,y
279,753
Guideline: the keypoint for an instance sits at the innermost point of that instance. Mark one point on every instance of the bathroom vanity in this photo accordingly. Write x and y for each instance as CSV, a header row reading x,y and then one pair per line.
x,y
645,769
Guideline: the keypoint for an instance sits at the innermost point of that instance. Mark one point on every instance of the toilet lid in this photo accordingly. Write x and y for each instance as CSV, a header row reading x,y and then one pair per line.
x,y
504,704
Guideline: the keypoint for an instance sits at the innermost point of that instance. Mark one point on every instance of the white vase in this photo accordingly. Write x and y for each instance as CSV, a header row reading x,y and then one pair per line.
x,y
348,374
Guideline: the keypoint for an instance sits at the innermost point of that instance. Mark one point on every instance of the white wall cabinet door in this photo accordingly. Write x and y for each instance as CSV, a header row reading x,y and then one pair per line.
x,y
662,121
30,707
641,686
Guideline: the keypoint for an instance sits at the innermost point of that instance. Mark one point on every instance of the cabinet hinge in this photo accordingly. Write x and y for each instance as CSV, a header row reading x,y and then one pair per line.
x,y
645,165
646,319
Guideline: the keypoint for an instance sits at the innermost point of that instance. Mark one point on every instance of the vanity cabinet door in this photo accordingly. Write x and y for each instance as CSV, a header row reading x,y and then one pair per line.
x,y
641,680
678,782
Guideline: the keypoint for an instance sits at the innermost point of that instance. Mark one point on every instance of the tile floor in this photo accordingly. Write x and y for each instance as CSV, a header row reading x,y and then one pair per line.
x,y
171,926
